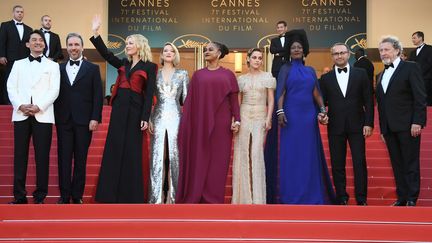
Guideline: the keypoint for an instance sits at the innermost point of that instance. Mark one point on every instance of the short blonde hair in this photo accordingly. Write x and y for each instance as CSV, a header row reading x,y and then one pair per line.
x,y
142,44
176,60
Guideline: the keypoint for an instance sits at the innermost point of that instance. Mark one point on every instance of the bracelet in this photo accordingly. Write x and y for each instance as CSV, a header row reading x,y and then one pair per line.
x,y
279,110
237,123
322,109
280,113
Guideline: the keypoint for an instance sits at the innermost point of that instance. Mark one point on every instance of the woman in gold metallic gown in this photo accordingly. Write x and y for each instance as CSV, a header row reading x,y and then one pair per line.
x,y
171,90
257,101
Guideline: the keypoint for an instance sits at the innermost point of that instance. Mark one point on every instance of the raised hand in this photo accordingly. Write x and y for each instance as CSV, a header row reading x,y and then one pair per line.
x,y
96,23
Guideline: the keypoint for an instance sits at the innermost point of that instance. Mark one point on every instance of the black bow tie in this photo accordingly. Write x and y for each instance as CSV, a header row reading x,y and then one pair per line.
x,y
418,47
46,31
31,58
283,35
345,69
19,23
389,65
72,62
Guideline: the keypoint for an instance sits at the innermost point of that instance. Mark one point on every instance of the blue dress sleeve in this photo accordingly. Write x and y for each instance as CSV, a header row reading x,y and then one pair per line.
x,y
281,80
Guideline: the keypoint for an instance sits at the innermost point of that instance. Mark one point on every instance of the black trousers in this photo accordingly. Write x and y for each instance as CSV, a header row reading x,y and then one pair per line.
x,y
338,150
41,134
404,153
73,142
272,161
428,87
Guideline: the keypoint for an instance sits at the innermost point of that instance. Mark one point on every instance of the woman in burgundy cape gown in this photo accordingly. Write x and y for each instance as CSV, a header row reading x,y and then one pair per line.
x,y
211,115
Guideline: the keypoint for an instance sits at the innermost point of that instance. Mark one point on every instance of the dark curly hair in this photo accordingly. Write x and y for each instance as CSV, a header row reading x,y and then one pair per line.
x,y
222,48
298,35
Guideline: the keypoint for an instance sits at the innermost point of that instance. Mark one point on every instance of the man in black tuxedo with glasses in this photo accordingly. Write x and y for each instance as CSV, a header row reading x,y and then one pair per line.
x,y
347,92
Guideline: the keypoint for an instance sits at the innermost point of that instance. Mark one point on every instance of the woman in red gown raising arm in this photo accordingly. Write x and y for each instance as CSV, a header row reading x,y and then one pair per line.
x,y
121,174
210,116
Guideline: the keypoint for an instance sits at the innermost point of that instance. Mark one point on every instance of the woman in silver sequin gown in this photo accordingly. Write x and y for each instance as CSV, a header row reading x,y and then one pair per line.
x,y
171,89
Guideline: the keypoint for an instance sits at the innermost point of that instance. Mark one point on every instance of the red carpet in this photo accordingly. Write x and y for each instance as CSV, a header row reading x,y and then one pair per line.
x,y
213,223
381,183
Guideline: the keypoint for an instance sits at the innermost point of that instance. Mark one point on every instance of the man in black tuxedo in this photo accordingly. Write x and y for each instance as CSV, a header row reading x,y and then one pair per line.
x,y
53,50
423,56
363,62
348,94
13,36
77,112
401,99
278,48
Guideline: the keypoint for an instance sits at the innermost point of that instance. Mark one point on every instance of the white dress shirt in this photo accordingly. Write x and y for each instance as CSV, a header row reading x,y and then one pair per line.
x,y
72,71
47,39
20,28
342,79
282,40
419,49
388,73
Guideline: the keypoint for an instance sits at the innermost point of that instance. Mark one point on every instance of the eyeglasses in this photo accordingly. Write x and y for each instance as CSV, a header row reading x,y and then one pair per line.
x,y
339,53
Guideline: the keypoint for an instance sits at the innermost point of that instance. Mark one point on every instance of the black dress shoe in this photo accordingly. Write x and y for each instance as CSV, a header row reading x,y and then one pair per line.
x,y
399,203
38,201
362,203
343,202
62,201
411,203
19,201
77,201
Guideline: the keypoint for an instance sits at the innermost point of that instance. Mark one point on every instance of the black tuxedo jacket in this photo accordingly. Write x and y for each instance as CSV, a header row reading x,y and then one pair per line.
x,y
404,103
355,110
83,100
367,65
424,59
11,46
55,49
280,53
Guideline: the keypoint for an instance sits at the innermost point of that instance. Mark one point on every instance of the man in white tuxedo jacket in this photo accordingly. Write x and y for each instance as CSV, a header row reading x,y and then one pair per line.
x,y
33,86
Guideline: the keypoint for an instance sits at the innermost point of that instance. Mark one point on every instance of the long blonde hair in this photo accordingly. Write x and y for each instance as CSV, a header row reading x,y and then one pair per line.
x,y
142,44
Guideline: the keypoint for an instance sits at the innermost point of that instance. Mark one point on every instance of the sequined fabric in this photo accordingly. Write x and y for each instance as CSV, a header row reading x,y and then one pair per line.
x,y
165,118
249,185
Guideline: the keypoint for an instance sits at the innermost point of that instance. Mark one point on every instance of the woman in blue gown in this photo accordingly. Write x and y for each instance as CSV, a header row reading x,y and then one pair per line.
x,y
304,177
